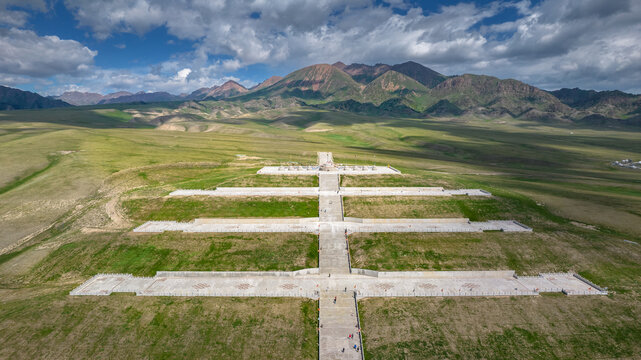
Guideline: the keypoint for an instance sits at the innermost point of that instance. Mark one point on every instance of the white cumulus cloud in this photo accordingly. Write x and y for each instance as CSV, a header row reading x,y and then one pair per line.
x,y
26,53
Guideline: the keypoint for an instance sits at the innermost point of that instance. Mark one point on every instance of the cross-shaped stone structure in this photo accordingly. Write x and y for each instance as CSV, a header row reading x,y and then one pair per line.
x,y
335,283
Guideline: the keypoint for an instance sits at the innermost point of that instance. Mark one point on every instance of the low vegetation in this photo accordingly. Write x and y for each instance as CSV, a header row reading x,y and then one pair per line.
x,y
144,254
124,326
539,327
608,260
189,208
473,208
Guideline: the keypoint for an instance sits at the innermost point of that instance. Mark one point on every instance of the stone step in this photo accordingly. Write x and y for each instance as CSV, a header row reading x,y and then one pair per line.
x,y
337,321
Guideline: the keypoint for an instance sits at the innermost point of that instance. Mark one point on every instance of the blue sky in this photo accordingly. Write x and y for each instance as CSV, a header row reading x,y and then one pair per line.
x,y
181,45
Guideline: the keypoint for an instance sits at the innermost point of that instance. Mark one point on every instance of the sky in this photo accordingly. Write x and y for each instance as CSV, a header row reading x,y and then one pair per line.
x,y
179,46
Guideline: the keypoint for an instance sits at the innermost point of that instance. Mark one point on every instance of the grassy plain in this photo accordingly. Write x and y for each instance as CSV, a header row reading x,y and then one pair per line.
x,y
144,254
186,209
74,182
474,208
543,327
50,324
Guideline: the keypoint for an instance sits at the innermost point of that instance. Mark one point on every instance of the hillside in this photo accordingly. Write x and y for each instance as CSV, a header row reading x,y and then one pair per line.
x,y
269,82
216,92
15,99
141,97
610,103
338,86
228,89
80,98
420,73
322,82
363,73
489,95
392,85
391,108
200,93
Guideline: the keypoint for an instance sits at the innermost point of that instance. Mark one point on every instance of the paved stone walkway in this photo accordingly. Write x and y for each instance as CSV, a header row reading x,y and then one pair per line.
x,y
314,225
341,170
334,283
343,191
333,255
339,326
310,283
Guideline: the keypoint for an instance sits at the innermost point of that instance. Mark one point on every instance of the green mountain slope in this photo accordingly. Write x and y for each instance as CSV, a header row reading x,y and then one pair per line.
x,y
420,73
268,82
321,82
392,107
610,103
415,90
444,108
362,73
392,85
490,95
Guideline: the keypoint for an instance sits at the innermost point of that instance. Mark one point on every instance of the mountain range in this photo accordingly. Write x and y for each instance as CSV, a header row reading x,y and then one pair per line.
x,y
15,99
408,88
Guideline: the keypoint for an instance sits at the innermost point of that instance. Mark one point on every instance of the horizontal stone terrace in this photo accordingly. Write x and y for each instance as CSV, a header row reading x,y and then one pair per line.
x,y
350,225
366,283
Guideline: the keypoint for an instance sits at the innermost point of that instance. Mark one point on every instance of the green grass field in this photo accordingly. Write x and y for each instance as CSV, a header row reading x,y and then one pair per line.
x,y
50,324
543,327
187,209
144,254
75,181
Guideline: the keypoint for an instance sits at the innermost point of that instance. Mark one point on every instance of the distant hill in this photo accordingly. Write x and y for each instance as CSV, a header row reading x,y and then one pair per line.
x,y
116,95
228,89
15,99
392,84
420,73
403,89
216,92
200,93
444,108
610,103
141,97
88,98
337,86
584,99
362,73
323,82
391,107
80,98
492,96
269,82
365,74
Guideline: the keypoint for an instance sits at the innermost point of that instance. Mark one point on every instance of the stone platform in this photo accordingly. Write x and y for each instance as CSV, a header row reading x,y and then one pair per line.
x,y
343,191
335,283
310,283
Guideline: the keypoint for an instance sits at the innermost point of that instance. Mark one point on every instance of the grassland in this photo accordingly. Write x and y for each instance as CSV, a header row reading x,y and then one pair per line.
x,y
60,224
185,209
545,327
52,325
606,260
144,254
476,209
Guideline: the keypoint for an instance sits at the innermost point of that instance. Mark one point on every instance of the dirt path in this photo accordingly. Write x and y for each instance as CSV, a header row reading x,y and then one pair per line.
x,y
113,211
